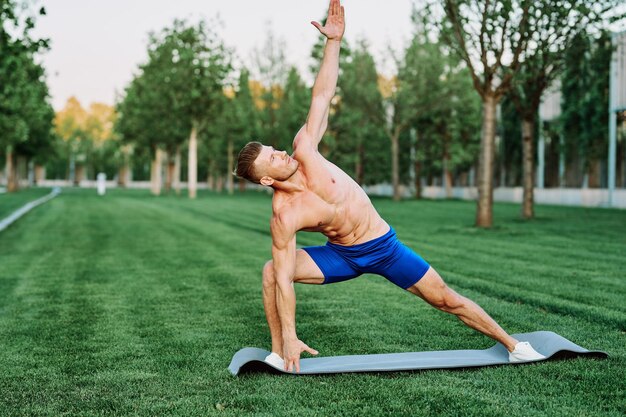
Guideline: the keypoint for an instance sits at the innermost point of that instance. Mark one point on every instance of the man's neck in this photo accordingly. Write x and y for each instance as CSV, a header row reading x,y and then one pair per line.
x,y
294,184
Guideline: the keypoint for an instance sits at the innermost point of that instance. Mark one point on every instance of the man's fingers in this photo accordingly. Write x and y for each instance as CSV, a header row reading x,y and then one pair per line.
x,y
343,13
317,25
298,365
311,351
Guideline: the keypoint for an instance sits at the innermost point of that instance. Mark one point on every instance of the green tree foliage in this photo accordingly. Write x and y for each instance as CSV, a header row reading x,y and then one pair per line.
x,y
553,27
25,112
440,107
271,71
510,150
179,89
585,98
490,36
39,115
87,139
361,147
293,110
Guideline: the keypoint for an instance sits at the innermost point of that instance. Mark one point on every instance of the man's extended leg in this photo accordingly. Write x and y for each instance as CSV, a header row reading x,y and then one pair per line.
x,y
307,272
434,291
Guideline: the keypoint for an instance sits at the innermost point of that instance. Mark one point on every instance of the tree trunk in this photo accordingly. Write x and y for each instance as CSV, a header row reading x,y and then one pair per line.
x,y
395,168
11,168
231,166
418,180
358,169
484,210
71,169
155,174
169,173
528,166
121,175
192,178
219,184
242,185
40,174
177,171
417,165
447,175
125,173
594,173
21,166
447,179
79,172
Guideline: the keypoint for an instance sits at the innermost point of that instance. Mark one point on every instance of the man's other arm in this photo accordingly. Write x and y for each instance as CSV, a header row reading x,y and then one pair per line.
x,y
284,260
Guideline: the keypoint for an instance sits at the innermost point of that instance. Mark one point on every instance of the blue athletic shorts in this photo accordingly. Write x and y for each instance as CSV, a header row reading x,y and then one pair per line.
x,y
385,256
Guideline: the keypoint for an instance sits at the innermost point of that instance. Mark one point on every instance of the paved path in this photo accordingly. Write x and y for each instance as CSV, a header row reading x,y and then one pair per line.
x,y
4,223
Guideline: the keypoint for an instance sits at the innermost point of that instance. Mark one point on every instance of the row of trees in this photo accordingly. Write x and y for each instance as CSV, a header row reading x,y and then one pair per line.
x,y
426,121
515,47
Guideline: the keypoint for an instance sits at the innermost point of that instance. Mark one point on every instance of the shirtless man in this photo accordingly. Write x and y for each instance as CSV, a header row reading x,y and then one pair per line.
x,y
312,194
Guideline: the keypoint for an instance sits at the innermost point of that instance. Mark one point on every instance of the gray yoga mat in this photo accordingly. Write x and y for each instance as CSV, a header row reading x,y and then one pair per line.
x,y
549,344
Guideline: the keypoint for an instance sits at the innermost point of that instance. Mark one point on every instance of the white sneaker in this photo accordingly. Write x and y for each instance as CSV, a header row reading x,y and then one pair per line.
x,y
275,360
524,352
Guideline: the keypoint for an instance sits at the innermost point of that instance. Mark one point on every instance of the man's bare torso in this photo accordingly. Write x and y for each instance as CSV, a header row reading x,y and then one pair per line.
x,y
331,202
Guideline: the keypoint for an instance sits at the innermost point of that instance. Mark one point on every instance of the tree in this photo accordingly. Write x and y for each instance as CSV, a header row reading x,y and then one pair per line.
x,y
192,64
24,105
399,113
359,117
553,27
179,89
270,70
490,36
247,124
446,115
103,142
89,141
147,120
584,119
293,110
38,115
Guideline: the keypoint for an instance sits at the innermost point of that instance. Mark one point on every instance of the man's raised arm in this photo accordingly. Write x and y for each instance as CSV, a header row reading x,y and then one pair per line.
x,y
326,81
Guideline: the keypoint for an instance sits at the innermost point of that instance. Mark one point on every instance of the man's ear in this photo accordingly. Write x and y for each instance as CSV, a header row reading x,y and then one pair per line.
x,y
267,181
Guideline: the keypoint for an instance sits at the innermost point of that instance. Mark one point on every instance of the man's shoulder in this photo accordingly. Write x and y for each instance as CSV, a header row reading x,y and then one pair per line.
x,y
290,217
304,145
284,219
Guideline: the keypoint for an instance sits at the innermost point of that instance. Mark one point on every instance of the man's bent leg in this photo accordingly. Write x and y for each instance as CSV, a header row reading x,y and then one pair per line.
x,y
307,272
434,291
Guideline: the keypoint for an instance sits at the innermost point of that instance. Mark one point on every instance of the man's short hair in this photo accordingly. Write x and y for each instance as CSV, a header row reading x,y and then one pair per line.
x,y
245,161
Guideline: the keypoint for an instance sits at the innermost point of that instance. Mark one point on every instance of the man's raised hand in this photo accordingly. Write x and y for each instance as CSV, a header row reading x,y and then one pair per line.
x,y
335,23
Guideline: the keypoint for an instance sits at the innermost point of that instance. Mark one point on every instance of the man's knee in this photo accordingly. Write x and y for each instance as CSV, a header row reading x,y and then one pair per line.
x,y
448,300
268,274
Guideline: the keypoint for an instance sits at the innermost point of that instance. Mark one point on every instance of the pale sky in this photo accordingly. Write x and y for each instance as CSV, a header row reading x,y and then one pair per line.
x,y
96,45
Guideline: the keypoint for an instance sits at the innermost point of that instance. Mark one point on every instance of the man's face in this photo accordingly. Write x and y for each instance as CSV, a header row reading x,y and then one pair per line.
x,y
273,165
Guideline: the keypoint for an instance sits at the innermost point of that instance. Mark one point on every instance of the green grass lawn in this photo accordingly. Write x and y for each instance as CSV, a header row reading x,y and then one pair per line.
x,y
130,304
9,202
